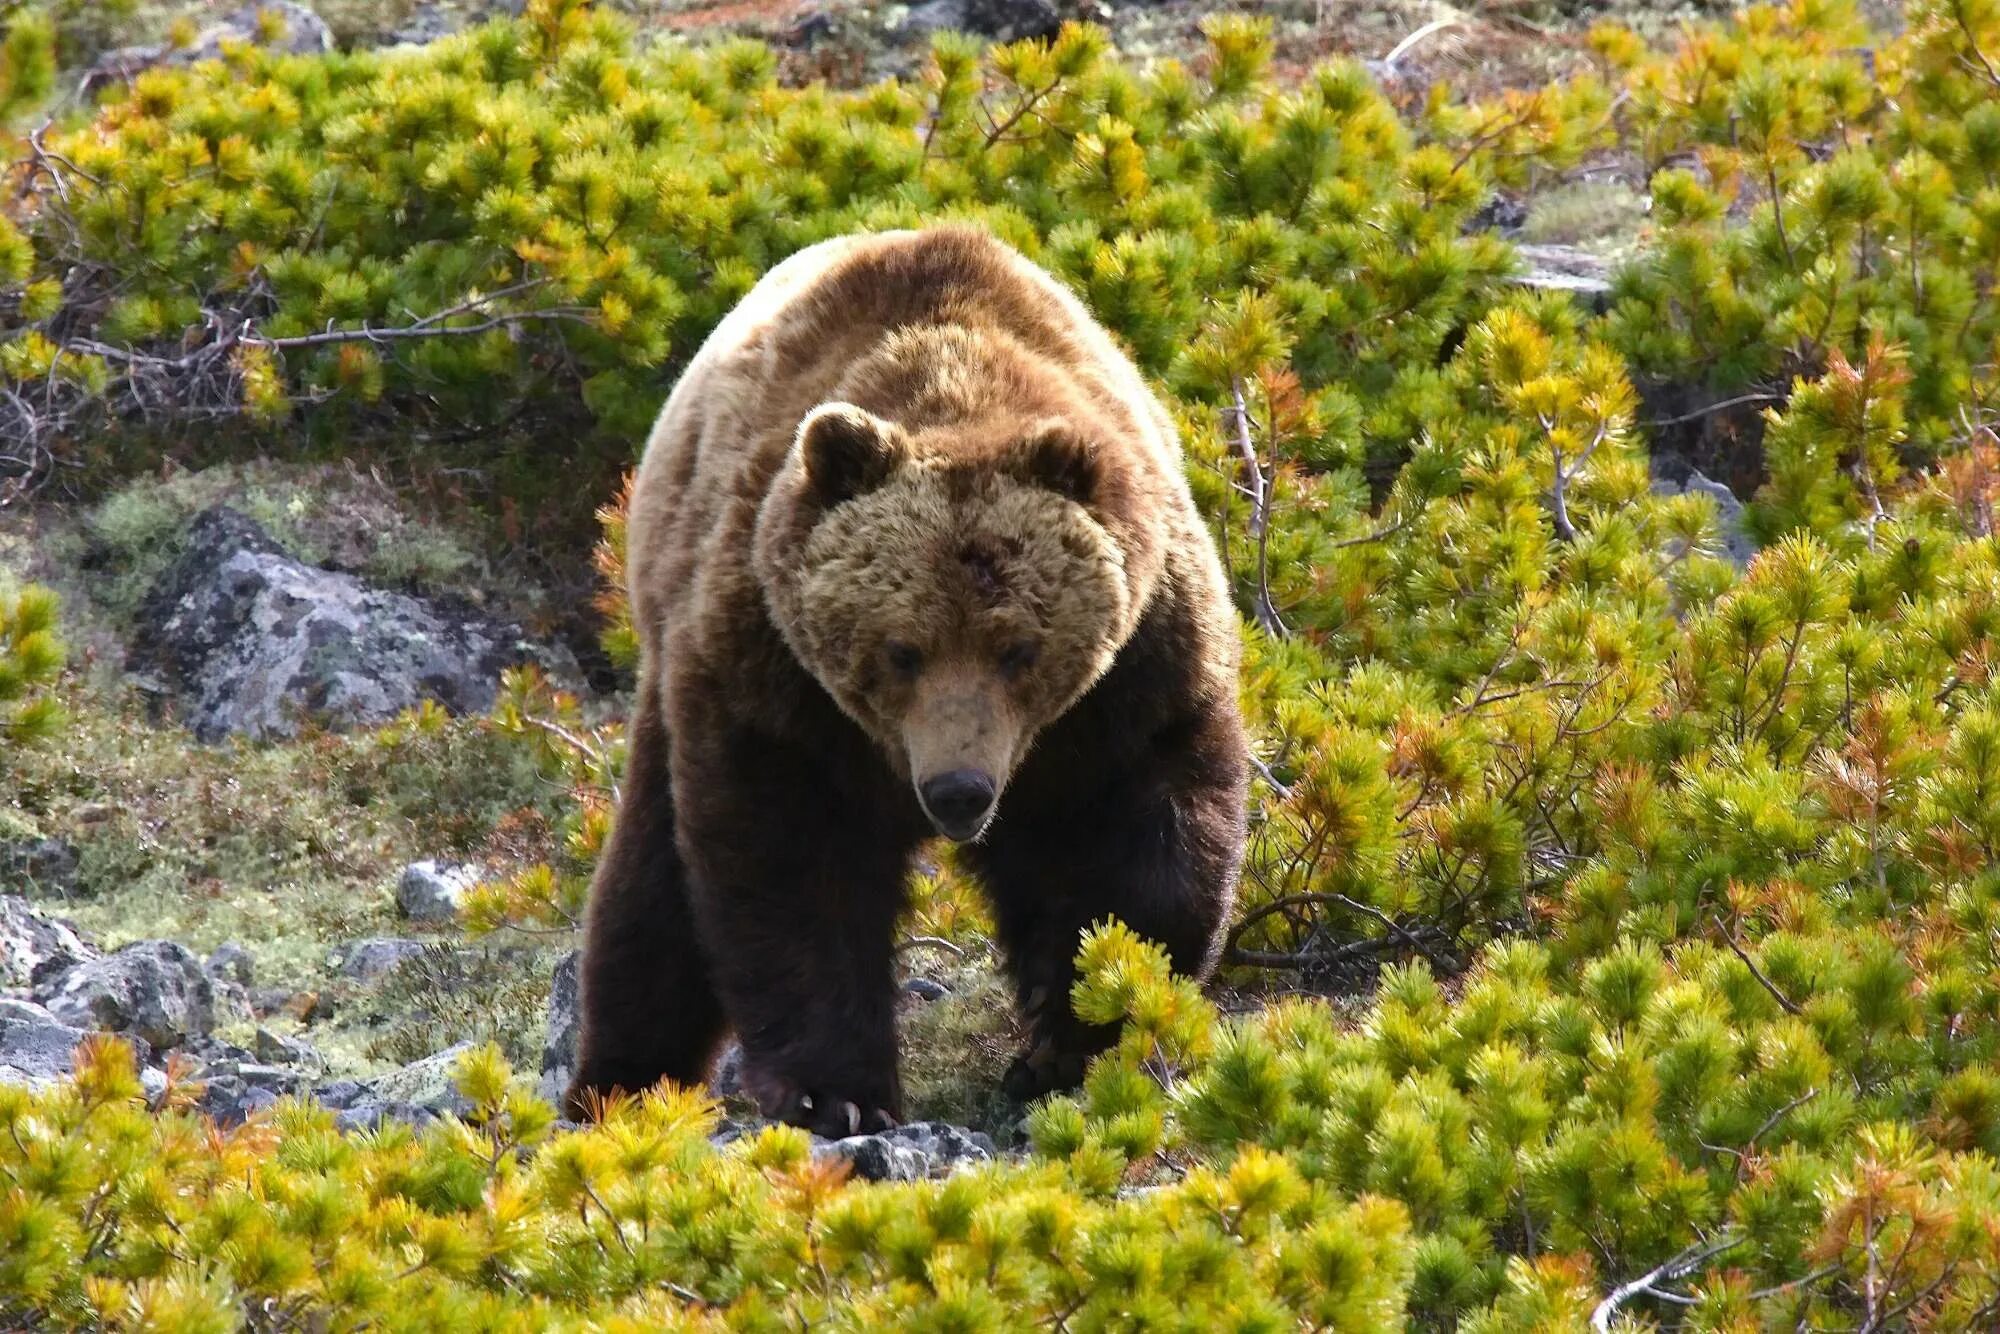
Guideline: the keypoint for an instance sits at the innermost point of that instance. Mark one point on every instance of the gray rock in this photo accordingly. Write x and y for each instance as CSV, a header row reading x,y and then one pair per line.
x,y
277,25
428,1083
297,1053
559,1047
910,1153
231,962
372,1113
1562,268
233,1091
340,1093
1003,20
153,989
1737,544
254,641
231,1102
36,1048
430,891
925,989
725,1077
44,865
376,957
33,944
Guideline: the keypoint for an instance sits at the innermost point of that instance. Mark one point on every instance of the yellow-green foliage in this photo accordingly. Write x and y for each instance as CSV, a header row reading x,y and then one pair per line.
x,y
30,657
116,1214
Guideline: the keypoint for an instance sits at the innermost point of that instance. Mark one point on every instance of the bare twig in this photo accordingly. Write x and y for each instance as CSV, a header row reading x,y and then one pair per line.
x,y
1785,1003
933,942
1770,1124
1259,486
1264,772
1972,42
1741,400
1559,493
1689,1260
1378,535
1404,47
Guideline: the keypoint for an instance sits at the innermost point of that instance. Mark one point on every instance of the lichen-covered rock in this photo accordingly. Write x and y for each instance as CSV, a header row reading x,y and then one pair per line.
x,y
376,957
910,1153
47,865
296,1053
430,891
559,1048
1003,20
1672,476
233,1091
33,944
36,1048
232,962
429,1083
152,989
283,26
255,641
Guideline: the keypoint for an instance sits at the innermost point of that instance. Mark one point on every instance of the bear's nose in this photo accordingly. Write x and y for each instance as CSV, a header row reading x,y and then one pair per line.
x,y
958,801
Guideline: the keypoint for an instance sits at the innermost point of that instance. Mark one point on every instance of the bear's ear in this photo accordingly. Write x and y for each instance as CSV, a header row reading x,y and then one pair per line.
x,y
848,451
1057,456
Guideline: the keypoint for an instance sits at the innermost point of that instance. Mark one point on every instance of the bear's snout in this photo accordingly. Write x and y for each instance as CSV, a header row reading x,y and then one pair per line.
x,y
958,802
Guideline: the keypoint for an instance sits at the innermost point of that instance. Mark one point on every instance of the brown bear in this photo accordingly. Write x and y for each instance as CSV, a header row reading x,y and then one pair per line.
x,y
911,553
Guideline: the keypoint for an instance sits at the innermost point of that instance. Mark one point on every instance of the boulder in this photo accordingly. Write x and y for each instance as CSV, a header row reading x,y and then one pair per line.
x,y
33,944
910,1153
1562,268
42,865
559,1047
377,957
429,1083
231,963
36,1048
283,26
233,1091
1671,477
430,891
152,989
255,642
295,1053
1002,20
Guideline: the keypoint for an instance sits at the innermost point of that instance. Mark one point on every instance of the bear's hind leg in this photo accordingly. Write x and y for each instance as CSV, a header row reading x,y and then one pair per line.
x,y
648,1007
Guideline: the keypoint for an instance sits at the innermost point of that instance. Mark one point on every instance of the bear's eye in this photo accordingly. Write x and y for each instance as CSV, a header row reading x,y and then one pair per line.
x,y
904,659
1017,658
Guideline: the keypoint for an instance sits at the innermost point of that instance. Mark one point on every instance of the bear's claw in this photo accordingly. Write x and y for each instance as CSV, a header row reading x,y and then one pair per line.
x,y
830,1118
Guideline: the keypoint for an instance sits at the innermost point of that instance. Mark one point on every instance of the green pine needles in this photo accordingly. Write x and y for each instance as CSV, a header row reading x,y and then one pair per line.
x,y
30,658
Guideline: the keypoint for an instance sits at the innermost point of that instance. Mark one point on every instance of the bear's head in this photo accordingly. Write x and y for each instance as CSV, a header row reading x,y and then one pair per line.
x,y
954,595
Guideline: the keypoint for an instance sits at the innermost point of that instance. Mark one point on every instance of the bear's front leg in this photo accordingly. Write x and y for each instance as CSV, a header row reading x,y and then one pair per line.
x,y
796,892
1157,845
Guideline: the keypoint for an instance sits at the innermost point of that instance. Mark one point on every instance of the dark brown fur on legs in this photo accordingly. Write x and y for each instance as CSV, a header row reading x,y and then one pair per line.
x,y
648,1011
1131,807
801,853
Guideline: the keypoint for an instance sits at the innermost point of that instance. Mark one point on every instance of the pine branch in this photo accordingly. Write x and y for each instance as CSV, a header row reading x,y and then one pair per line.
x,y
1687,1262
1260,489
1785,1003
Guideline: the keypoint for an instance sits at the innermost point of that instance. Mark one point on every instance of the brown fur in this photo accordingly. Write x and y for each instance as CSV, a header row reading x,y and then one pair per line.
x,y
908,510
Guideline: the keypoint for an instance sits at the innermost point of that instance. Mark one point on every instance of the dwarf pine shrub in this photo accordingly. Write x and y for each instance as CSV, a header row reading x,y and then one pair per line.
x,y
30,658
1677,884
